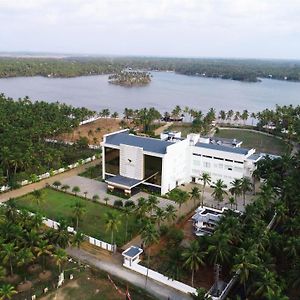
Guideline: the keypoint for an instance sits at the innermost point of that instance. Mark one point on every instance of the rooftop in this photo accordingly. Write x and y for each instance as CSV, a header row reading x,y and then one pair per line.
x,y
236,150
123,181
148,144
132,251
224,141
255,156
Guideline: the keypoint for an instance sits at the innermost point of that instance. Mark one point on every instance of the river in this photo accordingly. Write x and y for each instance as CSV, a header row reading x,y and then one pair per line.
x,y
165,91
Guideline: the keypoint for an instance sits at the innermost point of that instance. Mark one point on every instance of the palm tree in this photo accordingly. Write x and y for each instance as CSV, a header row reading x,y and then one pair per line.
x,y
142,208
77,240
76,189
160,216
8,254
43,249
267,285
206,179
149,236
127,210
152,203
219,191
232,201
243,266
170,213
61,236
60,257
78,211
24,257
246,186
193,257
56,184
181,199
173,266
235,189
195,194
219,248
38,196
112,221
7,291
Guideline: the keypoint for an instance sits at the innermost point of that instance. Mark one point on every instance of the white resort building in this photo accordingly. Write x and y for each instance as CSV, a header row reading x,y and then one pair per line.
x,y
130,160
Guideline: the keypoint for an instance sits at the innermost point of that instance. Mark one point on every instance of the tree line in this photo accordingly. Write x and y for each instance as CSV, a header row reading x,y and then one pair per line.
x,y
238,69
24,126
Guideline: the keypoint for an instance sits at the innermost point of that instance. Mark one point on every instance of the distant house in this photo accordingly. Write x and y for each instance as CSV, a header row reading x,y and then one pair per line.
x,y
206,219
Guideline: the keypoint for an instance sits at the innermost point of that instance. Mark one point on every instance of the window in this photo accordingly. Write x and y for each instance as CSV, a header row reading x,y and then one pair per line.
x,y
207,156
238,162
228,160
229,169
196,154
219,158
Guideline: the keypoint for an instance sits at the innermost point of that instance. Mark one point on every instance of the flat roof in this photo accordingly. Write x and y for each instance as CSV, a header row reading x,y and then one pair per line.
x,y
132,251
148,144
236,150
123,181
224,141
254,156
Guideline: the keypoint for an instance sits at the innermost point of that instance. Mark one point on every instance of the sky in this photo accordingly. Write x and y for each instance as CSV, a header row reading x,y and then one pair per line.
x,y
180,28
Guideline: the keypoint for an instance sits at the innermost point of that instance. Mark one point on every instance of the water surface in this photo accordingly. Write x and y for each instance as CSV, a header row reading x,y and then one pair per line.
x,y
164,92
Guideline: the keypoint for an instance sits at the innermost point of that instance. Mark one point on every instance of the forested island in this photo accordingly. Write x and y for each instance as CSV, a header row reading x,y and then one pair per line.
x,y
248,70
130,78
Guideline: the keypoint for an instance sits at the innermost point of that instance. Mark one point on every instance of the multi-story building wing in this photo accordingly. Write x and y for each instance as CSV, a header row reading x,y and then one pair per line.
x,y
130,160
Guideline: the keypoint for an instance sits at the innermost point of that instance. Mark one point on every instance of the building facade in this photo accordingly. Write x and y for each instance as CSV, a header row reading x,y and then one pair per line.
x,y
130,160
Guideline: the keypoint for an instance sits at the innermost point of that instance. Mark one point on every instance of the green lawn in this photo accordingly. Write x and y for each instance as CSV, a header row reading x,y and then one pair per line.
x,y
185,128
57,205
257,140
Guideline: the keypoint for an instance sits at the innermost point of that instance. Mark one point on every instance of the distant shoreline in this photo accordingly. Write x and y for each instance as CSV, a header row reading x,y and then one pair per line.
x,y
69,67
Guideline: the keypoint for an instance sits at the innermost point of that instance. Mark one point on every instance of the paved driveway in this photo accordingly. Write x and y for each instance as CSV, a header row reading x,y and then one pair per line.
x,y
95,187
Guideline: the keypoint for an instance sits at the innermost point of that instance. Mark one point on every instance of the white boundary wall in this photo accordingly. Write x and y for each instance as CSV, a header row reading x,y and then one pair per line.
x,y
53,224
5,188
101,244
160,278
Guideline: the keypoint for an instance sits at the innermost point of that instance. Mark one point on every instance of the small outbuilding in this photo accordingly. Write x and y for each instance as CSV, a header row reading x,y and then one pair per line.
x,y
132,255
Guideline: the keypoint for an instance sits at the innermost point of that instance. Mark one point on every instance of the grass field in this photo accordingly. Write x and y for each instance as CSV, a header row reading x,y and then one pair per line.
x,y
57,205
257,140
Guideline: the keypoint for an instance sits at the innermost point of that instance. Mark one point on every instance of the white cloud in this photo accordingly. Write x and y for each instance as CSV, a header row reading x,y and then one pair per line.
x,y
174,27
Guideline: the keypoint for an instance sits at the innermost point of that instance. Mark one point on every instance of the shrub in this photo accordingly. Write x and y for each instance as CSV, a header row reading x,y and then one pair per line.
x,y
129,203
118,203
178,194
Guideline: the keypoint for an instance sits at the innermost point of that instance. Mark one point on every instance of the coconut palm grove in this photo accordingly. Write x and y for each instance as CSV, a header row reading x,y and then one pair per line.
x,y
256,241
